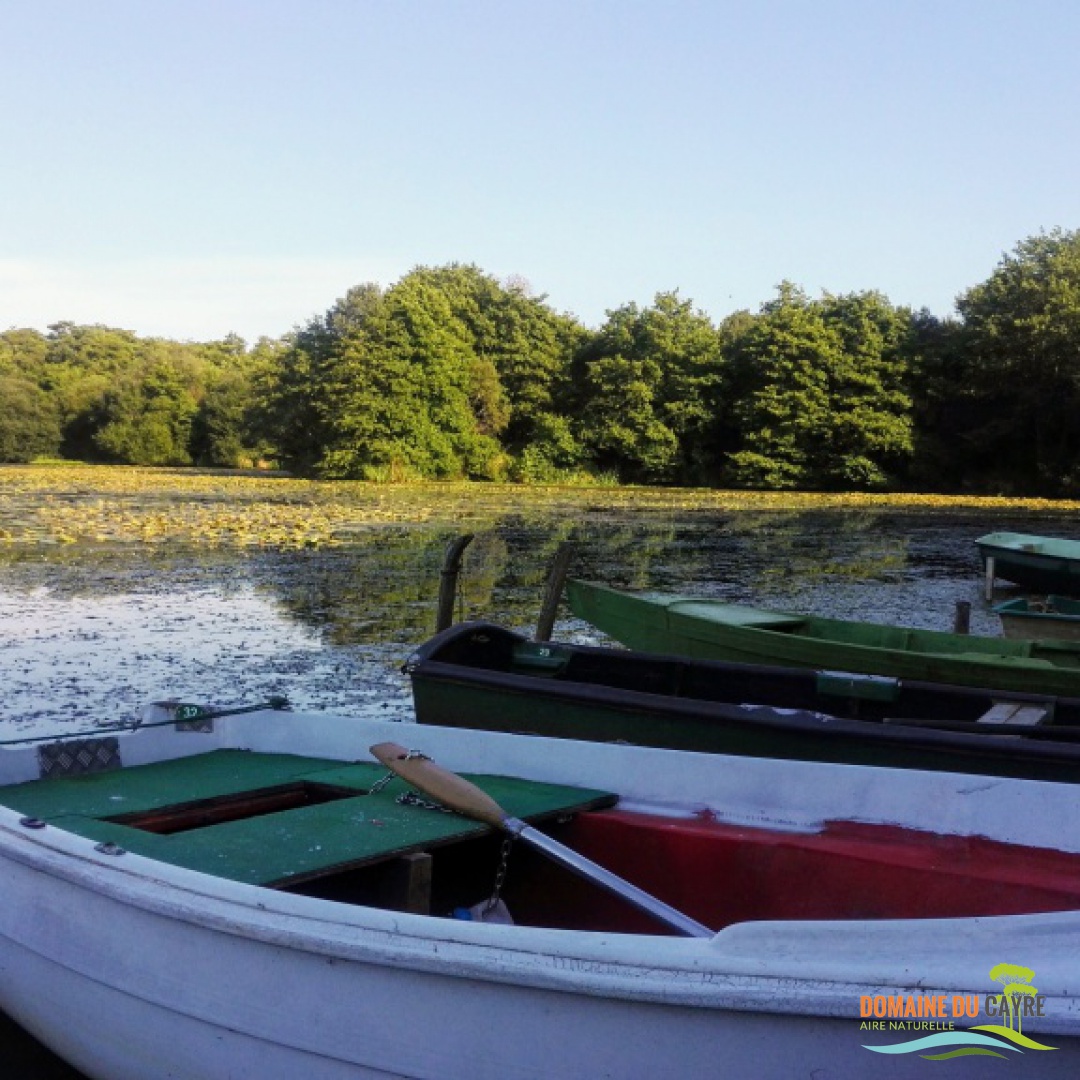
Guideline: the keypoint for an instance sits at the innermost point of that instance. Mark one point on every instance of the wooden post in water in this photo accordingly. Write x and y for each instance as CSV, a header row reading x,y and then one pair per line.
x,y
553,591
444,618
989,578
962,622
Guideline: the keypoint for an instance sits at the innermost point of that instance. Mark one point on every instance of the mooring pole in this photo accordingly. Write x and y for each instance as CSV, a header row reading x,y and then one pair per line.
x,y
989,578
448,581
962,621
553,592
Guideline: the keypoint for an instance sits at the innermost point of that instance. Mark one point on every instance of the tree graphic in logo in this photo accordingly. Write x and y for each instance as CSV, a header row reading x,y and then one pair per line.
x,y
1016,981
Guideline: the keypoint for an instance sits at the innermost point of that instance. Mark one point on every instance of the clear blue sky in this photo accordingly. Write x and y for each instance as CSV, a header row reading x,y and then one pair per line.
x,y
194,167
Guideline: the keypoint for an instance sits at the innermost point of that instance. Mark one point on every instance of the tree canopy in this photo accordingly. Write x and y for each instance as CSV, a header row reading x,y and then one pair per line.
x,y
1021,344
818,393
453,373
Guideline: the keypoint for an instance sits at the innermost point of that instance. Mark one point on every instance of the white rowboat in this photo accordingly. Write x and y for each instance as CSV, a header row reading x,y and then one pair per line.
x,y
125,954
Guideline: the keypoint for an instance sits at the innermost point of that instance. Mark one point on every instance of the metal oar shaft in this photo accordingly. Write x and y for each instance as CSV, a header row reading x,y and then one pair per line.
x,y
605,878
466,798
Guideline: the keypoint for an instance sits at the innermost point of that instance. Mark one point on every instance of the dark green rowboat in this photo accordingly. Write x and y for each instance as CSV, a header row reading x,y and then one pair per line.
x,y
477,675
710,629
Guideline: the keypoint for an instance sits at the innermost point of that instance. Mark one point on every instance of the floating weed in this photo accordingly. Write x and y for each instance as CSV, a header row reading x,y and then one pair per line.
x,y
80,504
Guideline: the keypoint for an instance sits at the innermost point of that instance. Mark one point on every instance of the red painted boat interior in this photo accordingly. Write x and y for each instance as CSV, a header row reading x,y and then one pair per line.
x,y
722,874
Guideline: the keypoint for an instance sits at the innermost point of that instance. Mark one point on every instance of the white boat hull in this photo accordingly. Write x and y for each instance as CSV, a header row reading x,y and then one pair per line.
x,y
134,970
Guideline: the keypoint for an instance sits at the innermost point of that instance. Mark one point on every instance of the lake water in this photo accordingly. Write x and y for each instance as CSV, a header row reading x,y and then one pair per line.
x,y
89,635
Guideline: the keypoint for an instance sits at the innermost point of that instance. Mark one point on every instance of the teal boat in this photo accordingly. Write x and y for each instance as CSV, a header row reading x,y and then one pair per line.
x,y
714,630
1047,564
1040,617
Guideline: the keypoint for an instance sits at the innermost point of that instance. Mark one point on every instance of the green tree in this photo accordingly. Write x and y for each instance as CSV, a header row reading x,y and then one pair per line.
x,y
647,393
116,397
23,352
447,373
869,442
219,427
521,355
29,424
83,366
947,410
288,387
1022,336
818,392
778,384
224,428
146,417
392,388
618,420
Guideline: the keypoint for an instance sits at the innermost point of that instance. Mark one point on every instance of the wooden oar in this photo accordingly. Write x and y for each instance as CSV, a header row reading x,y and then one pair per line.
x,y
467,799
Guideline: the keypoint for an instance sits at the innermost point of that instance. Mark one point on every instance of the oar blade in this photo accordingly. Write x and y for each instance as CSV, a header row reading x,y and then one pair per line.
x,y
453,791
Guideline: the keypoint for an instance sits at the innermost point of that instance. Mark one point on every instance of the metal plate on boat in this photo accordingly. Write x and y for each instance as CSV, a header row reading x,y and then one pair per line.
x,y
76,757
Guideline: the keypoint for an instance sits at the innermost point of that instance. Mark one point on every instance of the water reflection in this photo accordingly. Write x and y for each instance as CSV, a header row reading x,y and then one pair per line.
x,y
89,635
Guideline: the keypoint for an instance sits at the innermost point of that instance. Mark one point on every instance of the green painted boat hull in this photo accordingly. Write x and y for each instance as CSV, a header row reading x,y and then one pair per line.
x,y
713,630
1047,564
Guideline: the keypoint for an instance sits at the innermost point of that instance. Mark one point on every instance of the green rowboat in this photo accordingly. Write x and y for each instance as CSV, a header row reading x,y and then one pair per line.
x,y
1040,563
714,630
1031,617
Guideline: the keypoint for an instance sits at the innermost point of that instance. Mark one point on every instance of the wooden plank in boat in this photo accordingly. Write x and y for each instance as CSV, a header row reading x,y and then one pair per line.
x,y
1014,712
736,615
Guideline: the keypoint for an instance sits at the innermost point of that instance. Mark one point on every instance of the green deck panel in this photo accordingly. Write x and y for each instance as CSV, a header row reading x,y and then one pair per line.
x,y
165,783
284,847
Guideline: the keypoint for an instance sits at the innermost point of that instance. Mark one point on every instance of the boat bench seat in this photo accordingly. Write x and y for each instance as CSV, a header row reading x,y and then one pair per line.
x,y
734,615
221,813
1015,712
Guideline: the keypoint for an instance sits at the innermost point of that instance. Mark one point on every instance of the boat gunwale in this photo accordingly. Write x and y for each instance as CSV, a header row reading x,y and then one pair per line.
x,y
424,654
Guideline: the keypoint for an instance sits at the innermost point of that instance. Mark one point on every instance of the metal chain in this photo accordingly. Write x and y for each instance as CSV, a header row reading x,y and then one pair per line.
x,y
411,798
380,784
500,874
409,755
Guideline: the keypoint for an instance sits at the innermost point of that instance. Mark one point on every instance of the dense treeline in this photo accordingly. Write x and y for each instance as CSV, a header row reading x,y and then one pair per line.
x,y
450,373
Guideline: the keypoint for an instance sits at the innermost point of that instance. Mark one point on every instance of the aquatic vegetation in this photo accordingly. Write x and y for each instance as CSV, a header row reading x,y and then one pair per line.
x,y
227,587
79,504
